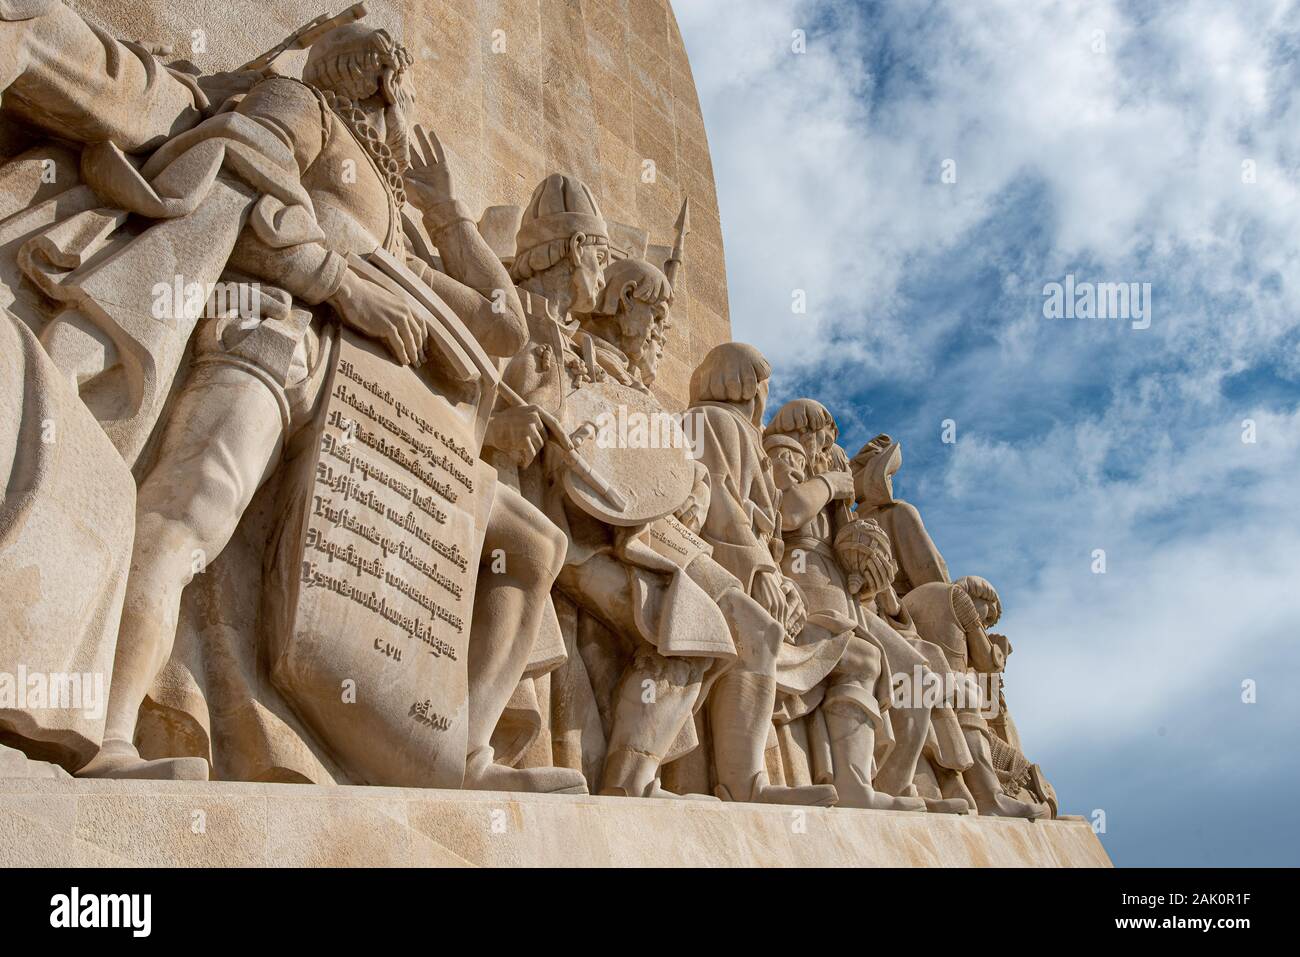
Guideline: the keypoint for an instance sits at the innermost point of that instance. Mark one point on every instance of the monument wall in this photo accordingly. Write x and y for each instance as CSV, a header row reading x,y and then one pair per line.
x,y
517,89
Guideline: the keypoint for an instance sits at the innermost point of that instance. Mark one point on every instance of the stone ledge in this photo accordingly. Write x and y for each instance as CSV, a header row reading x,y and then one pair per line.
x,y
70,823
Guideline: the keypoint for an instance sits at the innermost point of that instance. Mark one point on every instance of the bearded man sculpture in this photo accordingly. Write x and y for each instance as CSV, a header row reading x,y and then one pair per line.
x,y
255,384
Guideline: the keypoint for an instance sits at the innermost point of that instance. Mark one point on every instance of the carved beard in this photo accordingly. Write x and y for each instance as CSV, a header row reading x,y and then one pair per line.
x,y
398,137
648,364
820,459
635,342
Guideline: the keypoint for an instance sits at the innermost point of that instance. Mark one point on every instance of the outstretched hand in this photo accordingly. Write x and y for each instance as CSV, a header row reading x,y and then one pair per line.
x,y
428,181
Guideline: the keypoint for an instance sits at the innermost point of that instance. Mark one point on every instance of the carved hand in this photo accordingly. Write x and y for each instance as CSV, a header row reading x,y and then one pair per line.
x,y
518,432
767,590
375,312
221,86
875,579
841,484
985,657
428,181
796,612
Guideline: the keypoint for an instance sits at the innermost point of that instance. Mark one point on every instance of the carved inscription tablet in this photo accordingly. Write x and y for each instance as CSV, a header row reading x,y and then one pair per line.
x,y
395,504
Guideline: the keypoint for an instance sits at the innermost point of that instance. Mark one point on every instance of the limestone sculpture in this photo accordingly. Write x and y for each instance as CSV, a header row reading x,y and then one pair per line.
x,y
871,758
408,509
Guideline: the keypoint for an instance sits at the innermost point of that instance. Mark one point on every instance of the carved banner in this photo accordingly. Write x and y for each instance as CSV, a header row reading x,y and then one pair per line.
x,y
394,504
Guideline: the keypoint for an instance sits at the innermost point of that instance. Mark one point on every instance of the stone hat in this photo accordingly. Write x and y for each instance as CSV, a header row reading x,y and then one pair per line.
x,y
361,43
560,206
782,441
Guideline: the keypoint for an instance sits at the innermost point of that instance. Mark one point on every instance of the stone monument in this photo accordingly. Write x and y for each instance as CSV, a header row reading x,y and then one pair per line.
x,y
371,418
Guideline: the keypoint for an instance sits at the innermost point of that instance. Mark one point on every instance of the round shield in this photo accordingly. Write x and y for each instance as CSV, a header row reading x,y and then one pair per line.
x,y
637,458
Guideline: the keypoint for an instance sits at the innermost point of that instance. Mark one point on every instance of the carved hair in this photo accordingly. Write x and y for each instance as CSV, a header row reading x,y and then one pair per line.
x,y
805,416
543,257
980,589
731,372
351,61
636,277
800,415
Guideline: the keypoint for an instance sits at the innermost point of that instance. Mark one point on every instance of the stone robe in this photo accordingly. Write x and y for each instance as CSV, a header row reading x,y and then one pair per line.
x,y
65,547
742,523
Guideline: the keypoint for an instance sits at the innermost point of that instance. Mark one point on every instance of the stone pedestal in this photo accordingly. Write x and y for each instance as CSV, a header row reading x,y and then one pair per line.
x,y
129,823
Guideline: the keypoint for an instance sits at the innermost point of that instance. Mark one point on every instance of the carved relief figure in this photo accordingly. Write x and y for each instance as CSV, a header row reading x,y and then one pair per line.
x,y
953,617
865,551
681,624
918,559
1020,777
728,398
869,756
255,384
62,77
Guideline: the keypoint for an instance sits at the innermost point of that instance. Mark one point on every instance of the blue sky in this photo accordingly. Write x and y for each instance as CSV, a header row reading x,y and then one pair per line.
x,y
1118,142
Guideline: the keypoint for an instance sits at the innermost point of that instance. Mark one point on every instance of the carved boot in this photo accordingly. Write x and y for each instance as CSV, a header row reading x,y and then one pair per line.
x,y
946,806
120,759
144,642
482,773
853,743
740,709
15,764
983,782
897,773
938,798
509,609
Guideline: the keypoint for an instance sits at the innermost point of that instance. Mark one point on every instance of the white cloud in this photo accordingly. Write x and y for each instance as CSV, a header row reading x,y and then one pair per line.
x,y
828,175
1200,566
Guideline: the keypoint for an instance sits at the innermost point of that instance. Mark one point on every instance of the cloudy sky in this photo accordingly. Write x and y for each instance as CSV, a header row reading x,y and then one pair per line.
x,y
921,172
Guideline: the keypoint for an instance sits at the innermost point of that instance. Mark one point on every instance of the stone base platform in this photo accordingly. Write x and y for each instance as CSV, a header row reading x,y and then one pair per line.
x,y
169,824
